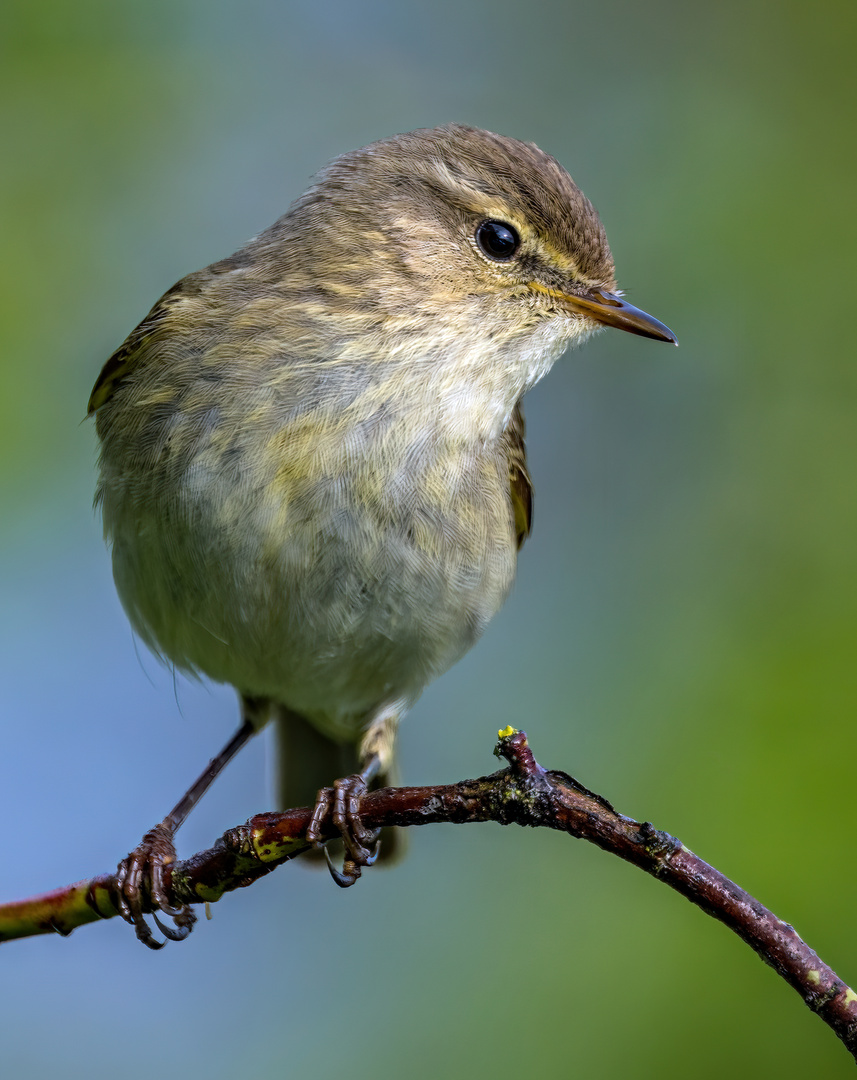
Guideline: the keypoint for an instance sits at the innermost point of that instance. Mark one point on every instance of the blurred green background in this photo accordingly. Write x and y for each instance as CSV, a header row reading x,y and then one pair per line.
x,y
682,635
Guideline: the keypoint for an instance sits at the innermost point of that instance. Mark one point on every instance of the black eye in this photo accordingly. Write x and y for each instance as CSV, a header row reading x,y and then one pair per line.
x,y
497,240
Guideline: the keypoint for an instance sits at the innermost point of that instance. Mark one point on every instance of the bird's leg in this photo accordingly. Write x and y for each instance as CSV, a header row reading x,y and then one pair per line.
x,y
148,863
341,803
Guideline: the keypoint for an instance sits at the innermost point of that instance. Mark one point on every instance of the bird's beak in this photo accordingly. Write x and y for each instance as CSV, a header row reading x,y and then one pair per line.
x,y
612,310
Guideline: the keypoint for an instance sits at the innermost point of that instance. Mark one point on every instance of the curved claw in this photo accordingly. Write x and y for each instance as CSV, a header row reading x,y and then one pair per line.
x,y
177,933
351,869
373,857
342,804
149,859
345,877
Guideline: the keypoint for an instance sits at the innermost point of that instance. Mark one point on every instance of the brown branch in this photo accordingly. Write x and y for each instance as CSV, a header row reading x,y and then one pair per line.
x,y
522,794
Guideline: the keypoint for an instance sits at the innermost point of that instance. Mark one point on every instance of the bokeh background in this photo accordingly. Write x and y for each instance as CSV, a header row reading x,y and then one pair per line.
x,y
682,636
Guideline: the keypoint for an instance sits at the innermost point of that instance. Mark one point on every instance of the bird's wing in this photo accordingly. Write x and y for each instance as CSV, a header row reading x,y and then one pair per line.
x,y
123,361
520,485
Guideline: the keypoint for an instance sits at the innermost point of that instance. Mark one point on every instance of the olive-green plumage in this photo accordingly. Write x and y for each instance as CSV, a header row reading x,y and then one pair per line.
x,y
312,462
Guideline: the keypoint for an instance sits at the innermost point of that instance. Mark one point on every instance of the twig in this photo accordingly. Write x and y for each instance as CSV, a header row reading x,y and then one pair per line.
x,y
522,794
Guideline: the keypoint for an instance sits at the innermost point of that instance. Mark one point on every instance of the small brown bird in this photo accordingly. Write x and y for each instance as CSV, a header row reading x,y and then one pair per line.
x,y
312,467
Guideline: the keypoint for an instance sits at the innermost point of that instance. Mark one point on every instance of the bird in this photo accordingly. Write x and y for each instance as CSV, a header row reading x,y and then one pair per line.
x,y
312,469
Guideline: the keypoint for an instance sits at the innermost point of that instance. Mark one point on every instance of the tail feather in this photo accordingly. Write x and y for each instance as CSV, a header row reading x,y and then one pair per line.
x,y
308,760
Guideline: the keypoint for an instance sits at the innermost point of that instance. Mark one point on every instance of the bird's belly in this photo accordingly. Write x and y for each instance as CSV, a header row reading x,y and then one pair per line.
x,y
334,612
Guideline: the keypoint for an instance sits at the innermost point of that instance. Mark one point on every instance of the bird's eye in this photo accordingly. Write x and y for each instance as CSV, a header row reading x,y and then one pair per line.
x,y
497,240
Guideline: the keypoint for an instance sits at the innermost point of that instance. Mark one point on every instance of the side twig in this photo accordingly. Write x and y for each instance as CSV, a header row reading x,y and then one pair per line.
x,y
522,794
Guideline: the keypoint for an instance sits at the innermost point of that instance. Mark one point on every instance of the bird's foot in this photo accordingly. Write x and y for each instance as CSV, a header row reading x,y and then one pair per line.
x,y
341,803
140,879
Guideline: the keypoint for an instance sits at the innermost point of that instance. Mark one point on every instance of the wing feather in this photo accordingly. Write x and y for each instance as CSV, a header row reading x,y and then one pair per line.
x,y
520,484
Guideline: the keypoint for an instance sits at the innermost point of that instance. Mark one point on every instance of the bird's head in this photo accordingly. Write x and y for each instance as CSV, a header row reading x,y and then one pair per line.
x,y
455,221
